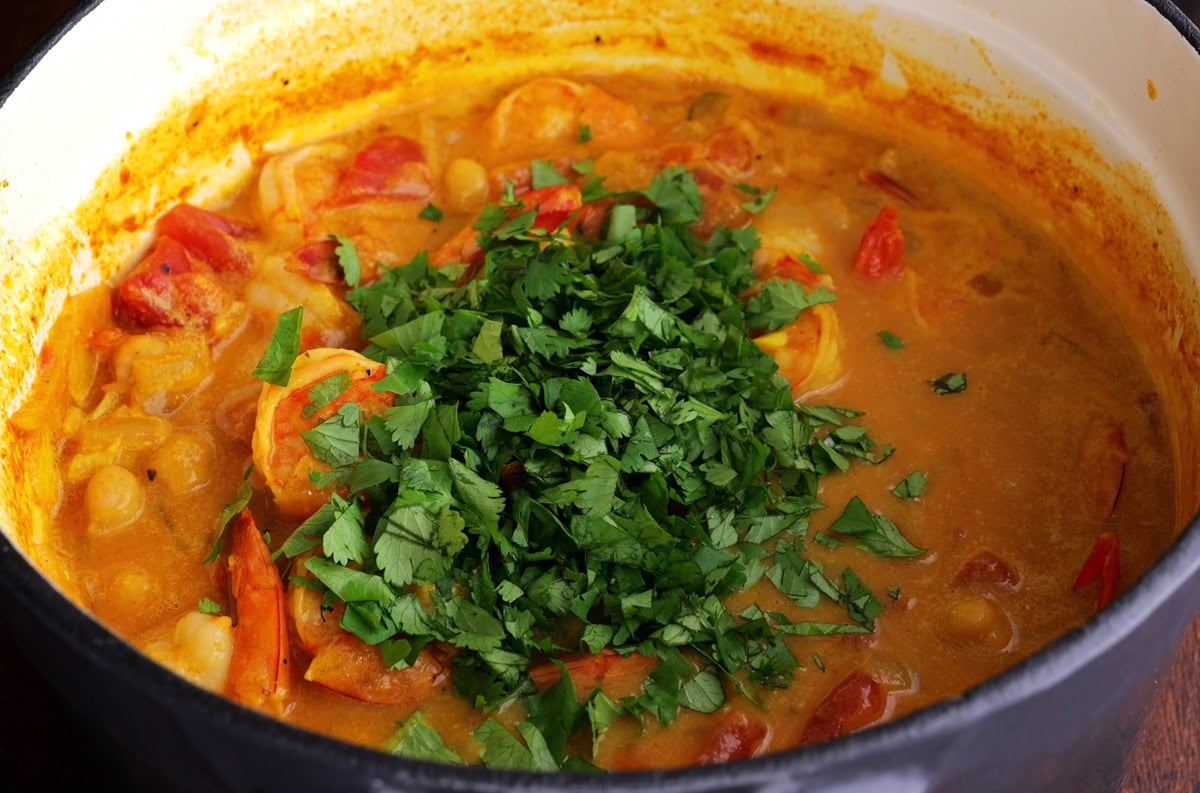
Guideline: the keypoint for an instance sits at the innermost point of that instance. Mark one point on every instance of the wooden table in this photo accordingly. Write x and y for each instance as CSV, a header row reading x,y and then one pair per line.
x,y
42,746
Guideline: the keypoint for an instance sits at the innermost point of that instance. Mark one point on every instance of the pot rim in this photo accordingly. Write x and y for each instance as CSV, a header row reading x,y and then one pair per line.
x,y
1056,661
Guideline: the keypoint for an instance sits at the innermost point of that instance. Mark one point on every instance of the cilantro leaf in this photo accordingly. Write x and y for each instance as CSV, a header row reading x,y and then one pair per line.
x,y
702,692
891,340
760,202
417,739
275,366
952,383
228,513
336,440
344,540
911,486
875,533
325,392
780,303
674,191
544,174
347,256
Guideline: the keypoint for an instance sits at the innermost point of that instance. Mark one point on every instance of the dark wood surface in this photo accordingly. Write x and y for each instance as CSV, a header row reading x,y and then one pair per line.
x,y
42,747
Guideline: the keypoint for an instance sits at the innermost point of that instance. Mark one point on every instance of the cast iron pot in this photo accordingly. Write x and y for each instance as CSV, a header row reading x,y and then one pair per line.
x,y
1063,720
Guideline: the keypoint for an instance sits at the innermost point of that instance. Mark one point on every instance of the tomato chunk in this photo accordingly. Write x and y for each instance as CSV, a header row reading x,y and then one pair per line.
x,y
209,237
853,704
1104,565
738,737
882,246
166,289
553,204
391,167
318,261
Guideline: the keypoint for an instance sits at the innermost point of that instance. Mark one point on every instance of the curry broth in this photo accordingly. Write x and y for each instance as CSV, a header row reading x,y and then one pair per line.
x,y
1020,465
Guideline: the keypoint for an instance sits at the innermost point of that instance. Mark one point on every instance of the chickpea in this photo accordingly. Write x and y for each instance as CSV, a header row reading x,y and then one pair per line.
x,y
128,596
204,648
466,183
115,497
183,463
133,348
200,649
979,621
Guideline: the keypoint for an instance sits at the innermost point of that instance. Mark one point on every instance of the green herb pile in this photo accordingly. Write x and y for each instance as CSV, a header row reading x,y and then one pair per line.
x,y
587,450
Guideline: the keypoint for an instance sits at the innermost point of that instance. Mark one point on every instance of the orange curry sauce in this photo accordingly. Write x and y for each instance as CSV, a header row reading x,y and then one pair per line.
x,y
147,406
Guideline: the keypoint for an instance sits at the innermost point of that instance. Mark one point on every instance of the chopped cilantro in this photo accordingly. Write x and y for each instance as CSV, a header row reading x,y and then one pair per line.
x,y
431,213
418,740
760,203
875,533
911,486
704,104
275,366
822,538
231,511
891,340
812,264
347,256
544,174
952,383
325,392
585,133
585,434
210,607
335,440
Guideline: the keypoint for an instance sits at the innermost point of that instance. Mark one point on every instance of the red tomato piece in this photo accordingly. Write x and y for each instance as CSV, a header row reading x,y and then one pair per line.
x,y
737,737
853,704
209,237
554,205
166,289
390,167
1104,565
318,261
986,569
882,246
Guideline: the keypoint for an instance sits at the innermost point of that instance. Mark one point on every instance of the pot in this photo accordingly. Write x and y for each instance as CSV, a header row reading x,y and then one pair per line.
x,y
1042,89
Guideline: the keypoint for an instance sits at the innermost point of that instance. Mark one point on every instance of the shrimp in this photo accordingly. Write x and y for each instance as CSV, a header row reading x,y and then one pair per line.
x,y
292,185
618,675
280,452
343,663
275,288
549,110
259,670
808,351
554,206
